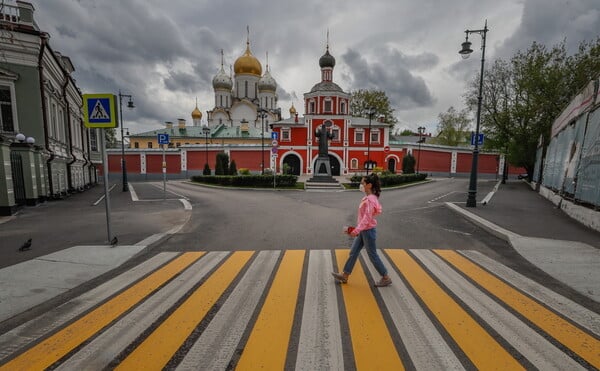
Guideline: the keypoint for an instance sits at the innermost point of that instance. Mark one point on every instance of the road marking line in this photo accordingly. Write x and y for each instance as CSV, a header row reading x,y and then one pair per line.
x,y
569,309
320,342
218,343
570,336
102,197
372,344
536,349
158,348
186,204
427,348
44,354
11,341
475,342
101,351
134,196
274,323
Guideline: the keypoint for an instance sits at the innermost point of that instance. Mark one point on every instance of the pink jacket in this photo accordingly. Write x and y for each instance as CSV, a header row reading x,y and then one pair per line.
x,y
367,210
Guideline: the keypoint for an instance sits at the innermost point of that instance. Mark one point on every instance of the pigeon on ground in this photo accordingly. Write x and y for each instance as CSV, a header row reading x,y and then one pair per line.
x,y
114,241
26,245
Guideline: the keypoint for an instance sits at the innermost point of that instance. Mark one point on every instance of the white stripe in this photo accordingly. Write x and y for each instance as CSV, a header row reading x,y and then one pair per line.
x,y
540,352
320,343
134,196
425,345
218,342
186,204
558,303
101,351
57,317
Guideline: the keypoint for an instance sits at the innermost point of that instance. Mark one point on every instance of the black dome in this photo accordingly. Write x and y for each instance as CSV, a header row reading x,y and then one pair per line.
x,y
327,60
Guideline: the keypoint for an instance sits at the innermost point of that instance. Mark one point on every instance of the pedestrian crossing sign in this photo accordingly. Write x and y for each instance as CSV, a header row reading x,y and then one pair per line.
x,y
99,110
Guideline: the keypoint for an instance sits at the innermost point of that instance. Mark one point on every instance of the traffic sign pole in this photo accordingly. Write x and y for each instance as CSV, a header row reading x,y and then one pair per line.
x,y
106,193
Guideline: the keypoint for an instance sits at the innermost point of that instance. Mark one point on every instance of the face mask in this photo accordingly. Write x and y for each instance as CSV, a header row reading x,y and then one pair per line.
x,y
362,188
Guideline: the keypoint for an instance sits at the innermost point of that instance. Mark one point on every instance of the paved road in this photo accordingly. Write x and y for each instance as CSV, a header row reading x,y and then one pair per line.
x,y
276,309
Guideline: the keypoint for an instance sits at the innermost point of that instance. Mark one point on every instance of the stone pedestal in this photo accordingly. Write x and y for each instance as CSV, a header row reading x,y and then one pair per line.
x,y
322,171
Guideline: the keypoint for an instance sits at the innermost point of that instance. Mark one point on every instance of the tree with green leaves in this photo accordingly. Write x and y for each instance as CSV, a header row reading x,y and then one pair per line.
x,y
453,128
523,96
111,137
222,164
408,164
364,99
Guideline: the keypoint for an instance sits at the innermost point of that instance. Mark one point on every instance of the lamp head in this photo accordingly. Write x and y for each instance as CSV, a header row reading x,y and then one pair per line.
x,y
30,140
20,137
130,104
466,50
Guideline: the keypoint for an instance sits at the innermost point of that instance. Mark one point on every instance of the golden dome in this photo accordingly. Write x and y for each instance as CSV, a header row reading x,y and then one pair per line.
x,y
196,113
292,110
247,63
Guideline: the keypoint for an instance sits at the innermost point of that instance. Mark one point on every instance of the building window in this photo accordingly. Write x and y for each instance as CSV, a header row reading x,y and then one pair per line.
x,y
149,144
53,122
311,107
375,136
94,139
343,108
327,106
6,110
178,144
221,99
354,163
336,134
359,136
246,89
136,145
285,135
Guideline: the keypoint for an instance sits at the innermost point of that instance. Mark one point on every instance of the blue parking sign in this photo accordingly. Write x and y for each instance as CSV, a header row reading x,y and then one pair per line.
x,y
163,138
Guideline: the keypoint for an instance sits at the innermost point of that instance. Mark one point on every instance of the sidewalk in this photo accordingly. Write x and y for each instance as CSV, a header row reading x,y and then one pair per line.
x,y
542,234
70,242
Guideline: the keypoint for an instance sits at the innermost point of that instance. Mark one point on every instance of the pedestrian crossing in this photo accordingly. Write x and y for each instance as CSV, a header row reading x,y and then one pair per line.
x,y
248,310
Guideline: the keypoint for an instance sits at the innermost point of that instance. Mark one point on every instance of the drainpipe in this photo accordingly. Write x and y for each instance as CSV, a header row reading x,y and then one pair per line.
x,y
44,40
87,163
69,164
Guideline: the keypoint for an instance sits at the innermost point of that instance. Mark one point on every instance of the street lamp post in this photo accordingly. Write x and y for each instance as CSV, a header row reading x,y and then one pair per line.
x,y
123,167
421,130
262,113
370,112
465,52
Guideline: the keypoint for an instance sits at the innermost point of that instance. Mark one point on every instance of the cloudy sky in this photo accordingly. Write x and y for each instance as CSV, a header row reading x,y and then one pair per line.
x,y
165,53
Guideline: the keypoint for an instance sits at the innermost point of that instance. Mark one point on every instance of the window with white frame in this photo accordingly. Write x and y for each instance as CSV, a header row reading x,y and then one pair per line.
x,y
327,105
354,163
54,120
375,136
286,135
359,136
343,108
336,134
7,120
93,139
311,107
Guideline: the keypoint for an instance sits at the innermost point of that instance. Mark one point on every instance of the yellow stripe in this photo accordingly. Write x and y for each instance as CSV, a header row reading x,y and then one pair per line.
x,y
371,341
267,346
57,346
161,345
476,343
572,337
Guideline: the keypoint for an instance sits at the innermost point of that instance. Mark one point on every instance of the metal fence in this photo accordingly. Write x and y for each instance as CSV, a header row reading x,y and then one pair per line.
x,y
572,163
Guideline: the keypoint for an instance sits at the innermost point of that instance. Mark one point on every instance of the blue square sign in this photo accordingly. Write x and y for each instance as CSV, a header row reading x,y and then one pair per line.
x,y
163,138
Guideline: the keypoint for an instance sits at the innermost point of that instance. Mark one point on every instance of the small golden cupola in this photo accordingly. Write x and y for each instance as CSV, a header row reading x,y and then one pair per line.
x,y
196,115
293,110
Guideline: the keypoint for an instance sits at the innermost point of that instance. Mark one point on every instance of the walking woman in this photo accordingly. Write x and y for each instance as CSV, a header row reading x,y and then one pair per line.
x,y
365,233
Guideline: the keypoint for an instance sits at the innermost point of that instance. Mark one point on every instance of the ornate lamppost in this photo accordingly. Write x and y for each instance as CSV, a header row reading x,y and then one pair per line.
x,y
421,130
262,113
465,52
123,167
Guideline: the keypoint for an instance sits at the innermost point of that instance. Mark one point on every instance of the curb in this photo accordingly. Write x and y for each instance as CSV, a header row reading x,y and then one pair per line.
x,y
490,227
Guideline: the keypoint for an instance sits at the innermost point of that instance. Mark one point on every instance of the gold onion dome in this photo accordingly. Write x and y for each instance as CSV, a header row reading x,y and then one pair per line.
x,y
196,113
293,110
247,64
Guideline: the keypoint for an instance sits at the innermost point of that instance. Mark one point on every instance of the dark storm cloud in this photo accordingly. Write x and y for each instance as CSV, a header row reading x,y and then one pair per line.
x,y
549,22
391,73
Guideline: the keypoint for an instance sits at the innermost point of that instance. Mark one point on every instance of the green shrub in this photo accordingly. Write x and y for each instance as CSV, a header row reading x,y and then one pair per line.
x,y
408,164
222,163
263,181
206,170
232,168
244,171
390,180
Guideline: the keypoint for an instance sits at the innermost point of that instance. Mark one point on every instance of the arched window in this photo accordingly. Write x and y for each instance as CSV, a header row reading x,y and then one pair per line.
x,y
354,163
246,89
